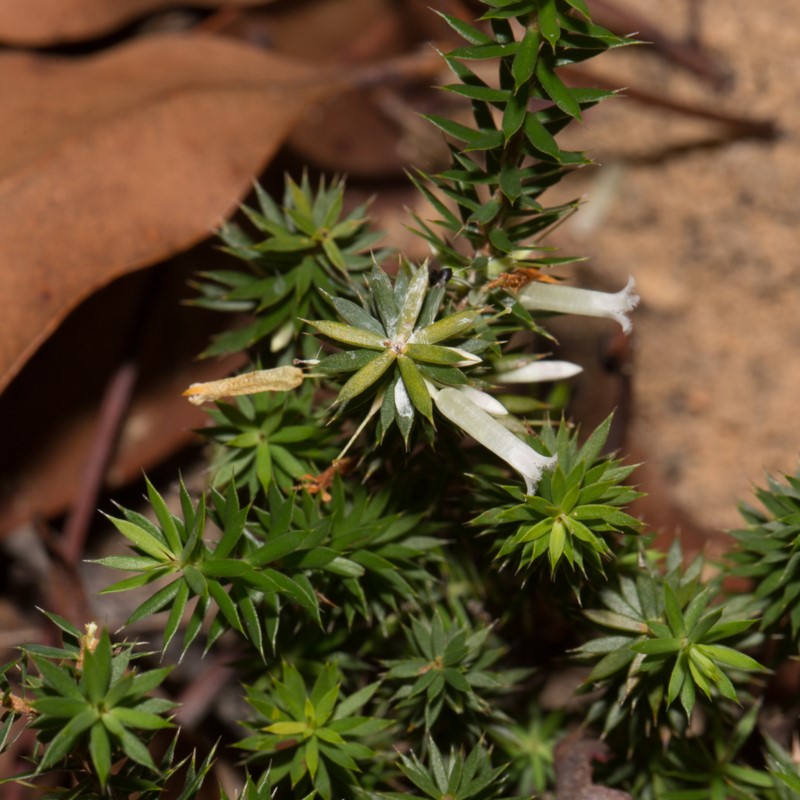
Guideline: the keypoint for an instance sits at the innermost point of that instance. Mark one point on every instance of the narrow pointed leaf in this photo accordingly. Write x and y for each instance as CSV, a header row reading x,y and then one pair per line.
x,y
524,62
412,304
141,539
555,88
356,316
100,751
347,334
64,741
97,669
59,679
366,376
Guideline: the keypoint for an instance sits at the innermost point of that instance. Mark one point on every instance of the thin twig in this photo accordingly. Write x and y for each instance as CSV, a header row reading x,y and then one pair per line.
x,y
689,55
199,696
113,408
743,126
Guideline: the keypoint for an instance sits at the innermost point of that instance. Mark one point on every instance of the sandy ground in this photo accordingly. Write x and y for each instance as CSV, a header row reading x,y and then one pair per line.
x,y
710,232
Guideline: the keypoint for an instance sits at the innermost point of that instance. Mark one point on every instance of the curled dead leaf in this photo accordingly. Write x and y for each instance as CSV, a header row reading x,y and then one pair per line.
x,y
46,22
573,758
119,160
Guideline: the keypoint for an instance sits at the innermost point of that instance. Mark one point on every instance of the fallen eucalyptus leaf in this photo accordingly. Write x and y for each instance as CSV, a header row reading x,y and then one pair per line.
x,y
119,160
46,22
573,758
55,401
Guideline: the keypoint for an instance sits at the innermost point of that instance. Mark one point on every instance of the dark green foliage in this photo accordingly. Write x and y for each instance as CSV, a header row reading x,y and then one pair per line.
x,y
91,708
529,748
455,777
665,646
575,512
769,555
308,249
376,625
499,172
447,665
708,764
307,736
226,577
129,779
784,772
261,789
355,553
265,438
392,553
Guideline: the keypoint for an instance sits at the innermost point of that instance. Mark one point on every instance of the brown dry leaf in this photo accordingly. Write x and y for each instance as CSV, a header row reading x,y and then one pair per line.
x,y
54,402
159,423
331,26
573,758
374,131
37,23
119,160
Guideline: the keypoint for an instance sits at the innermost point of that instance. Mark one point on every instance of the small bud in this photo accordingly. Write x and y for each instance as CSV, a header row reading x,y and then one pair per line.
x,y
90,637
538,296
89,642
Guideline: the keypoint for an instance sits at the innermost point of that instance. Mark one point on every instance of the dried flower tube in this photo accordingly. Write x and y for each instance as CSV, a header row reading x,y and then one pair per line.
x,y
279,379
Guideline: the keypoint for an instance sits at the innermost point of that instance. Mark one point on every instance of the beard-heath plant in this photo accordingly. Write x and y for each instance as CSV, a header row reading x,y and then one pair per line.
x,y
405,543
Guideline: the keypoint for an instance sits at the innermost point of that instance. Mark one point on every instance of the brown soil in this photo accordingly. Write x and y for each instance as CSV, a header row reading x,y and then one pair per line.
x,y
709,229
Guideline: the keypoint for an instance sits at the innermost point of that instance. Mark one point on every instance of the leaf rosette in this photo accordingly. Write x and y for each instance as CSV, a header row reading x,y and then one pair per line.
x,y
665,646
91,703
307,247
577,509
315,736
393,346
769,556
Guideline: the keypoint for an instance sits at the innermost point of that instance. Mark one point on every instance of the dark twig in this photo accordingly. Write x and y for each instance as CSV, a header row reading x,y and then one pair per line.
x,y
573,758
745,127
113,408
688,54
198,697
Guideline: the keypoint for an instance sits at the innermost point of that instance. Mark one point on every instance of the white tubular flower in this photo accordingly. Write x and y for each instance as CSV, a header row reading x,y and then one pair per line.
x,y
484,401
571,300
539,372
456,406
